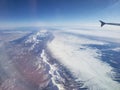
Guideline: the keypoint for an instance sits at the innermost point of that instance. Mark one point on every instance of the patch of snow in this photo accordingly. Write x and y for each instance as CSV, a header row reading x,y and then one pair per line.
x,y
52,71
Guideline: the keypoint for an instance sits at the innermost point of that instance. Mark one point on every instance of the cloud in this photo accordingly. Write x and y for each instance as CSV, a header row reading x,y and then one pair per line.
x,y
83,61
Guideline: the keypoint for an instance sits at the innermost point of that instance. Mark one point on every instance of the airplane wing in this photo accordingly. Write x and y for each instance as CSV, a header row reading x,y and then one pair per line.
x,y
103,23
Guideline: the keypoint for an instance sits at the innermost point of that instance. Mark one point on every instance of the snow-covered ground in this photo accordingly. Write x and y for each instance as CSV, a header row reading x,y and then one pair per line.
x,y
64,59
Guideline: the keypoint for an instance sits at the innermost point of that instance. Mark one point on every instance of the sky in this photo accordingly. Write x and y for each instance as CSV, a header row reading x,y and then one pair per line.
x,y
57,12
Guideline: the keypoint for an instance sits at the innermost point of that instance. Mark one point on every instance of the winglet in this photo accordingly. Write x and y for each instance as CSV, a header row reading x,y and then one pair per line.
x,y
102,23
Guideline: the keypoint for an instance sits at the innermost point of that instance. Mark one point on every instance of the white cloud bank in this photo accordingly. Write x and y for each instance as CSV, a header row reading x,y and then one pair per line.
x,y
84,61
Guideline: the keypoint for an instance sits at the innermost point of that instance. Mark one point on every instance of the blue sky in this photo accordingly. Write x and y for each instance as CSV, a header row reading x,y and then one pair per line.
x,y
59,12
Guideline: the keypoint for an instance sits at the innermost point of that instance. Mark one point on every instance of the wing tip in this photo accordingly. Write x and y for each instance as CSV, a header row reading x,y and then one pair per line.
x,y
102,23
